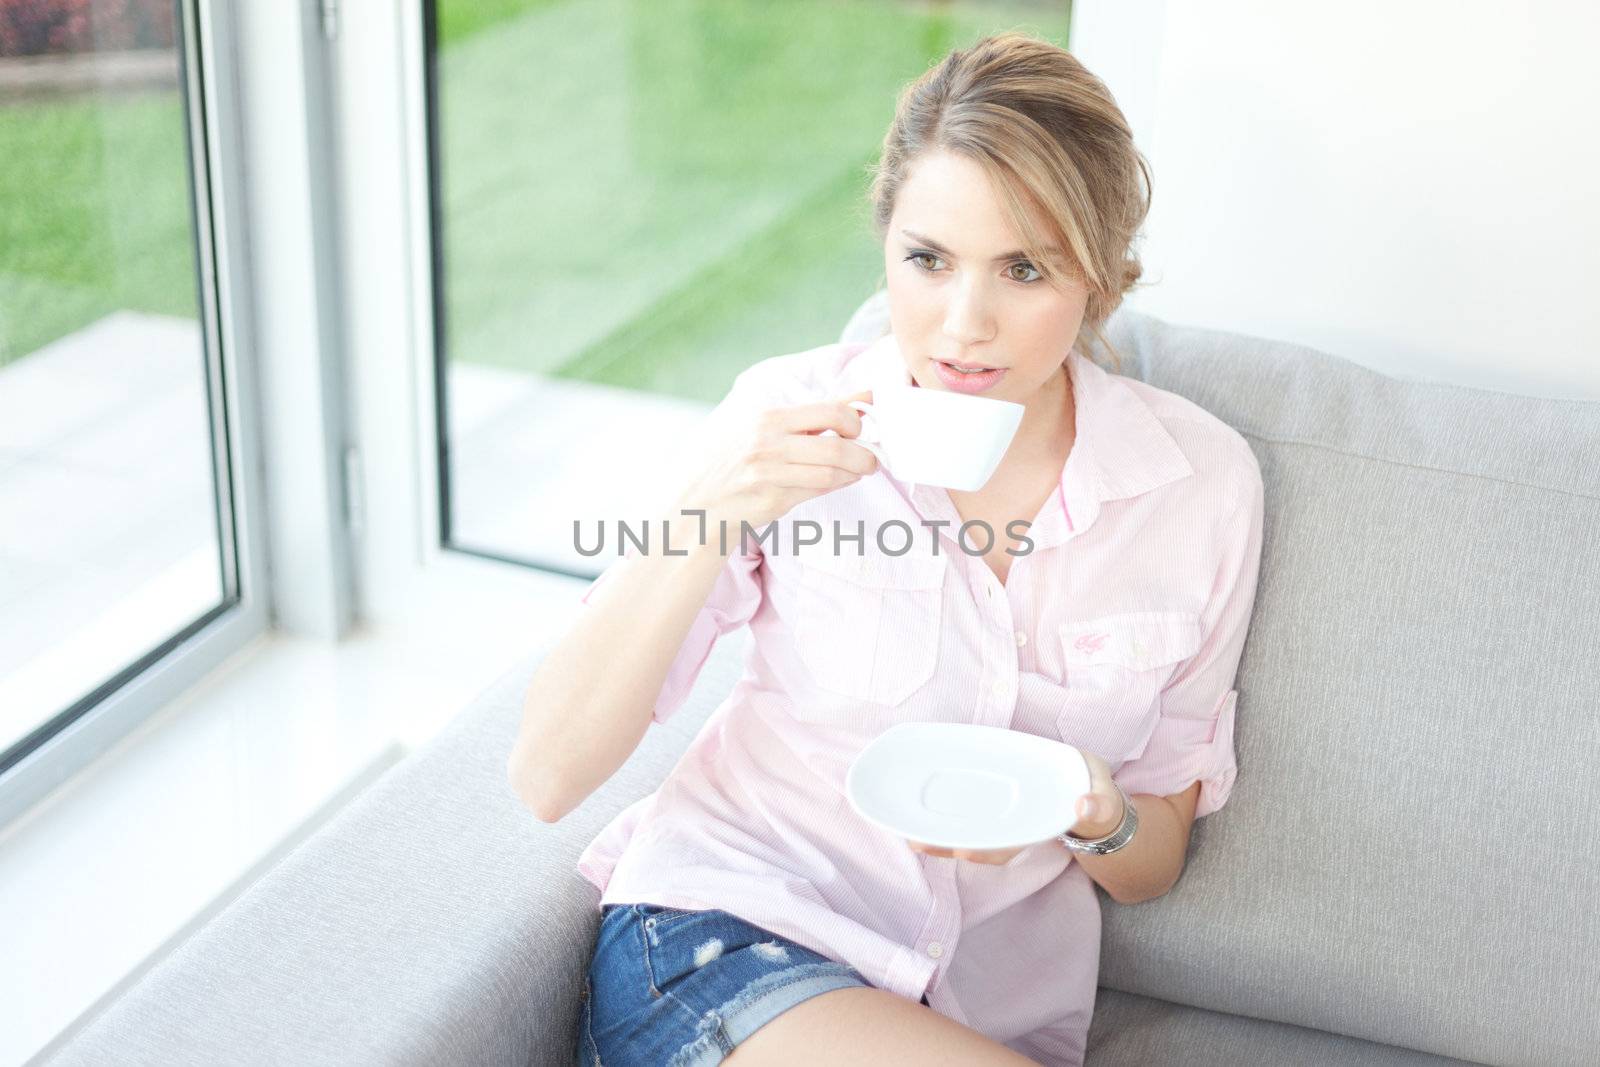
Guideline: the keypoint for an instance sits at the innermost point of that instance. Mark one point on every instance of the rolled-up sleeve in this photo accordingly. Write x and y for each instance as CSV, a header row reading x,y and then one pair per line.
x,y
1193,738
738,590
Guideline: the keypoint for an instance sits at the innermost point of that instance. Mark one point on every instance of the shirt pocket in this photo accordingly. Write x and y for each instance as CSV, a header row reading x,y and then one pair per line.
x,y
1115,667
868,626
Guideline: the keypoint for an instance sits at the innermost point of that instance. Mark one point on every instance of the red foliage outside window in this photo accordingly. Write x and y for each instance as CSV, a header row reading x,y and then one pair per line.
x,y
41,27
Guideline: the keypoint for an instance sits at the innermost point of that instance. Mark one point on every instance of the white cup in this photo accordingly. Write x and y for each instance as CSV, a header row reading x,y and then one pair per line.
x,y
931,437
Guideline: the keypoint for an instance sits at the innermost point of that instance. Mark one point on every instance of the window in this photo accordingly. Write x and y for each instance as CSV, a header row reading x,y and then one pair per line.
x,y
119,539
633,202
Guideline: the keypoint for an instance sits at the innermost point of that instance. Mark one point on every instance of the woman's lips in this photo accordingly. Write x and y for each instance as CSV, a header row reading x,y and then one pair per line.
x,y
958,382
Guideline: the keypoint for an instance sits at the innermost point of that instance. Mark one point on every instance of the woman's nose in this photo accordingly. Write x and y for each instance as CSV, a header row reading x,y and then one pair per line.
x,y
968,320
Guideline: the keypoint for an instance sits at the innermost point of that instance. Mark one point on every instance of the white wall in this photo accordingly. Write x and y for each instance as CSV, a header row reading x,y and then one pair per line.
x,y
1411,185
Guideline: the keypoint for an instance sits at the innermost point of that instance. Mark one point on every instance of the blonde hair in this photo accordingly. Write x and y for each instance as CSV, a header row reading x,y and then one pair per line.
x,y
1054,144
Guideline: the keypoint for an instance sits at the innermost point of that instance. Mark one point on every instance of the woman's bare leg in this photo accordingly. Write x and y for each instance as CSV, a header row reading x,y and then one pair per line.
x,y
867,1025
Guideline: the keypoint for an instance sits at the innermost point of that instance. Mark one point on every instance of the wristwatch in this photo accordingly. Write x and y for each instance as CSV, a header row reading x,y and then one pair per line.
x,y
1116,839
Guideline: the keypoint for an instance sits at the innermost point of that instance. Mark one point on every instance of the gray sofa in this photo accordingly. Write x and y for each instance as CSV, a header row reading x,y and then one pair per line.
x,y
1407,871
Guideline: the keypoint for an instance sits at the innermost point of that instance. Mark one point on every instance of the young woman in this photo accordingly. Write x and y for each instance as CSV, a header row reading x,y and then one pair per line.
x,y
748,914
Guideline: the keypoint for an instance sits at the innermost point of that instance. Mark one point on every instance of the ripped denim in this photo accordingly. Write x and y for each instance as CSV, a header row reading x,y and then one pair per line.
x,y
681,988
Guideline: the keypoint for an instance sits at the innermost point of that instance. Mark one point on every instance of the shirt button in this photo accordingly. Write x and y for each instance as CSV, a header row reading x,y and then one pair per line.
x,y
1022,638
999,688
935,949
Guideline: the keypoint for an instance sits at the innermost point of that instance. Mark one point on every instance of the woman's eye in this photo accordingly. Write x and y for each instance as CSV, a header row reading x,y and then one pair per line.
x,y
919,257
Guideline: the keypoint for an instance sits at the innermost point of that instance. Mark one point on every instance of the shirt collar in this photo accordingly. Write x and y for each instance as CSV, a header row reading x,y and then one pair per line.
x,y
1121,450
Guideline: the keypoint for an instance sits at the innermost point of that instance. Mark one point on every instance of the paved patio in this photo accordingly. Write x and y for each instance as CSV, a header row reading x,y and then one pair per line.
x,y
107,528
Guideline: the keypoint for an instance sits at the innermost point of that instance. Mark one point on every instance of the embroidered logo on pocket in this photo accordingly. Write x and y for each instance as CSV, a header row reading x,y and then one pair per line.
x,y
1090,642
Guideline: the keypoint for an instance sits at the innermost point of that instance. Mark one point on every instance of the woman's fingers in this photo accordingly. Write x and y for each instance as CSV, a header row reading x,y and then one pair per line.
x,y
1001,855
816,417
838,452
1100,810
811,476
759,469
795,451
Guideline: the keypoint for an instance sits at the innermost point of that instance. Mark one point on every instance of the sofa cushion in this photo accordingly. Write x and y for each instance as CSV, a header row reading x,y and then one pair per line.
x,y
1133,1031
1409,852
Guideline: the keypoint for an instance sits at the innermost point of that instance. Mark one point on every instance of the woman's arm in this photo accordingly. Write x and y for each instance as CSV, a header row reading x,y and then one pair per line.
x,y
593,696
1152,862
1146,868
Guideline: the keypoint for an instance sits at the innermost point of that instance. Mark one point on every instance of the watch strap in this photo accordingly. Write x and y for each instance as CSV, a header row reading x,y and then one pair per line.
x,y
1116,839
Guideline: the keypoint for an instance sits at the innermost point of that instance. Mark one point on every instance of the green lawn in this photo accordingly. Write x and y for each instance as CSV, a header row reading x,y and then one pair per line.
x,y
648,193
686,193
94,215
459,19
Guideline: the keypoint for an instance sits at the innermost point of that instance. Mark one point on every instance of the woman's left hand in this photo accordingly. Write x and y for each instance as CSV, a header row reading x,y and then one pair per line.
x,y
1099,812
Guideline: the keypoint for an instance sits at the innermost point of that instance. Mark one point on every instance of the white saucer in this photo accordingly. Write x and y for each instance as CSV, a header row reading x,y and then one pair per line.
x,y
961,785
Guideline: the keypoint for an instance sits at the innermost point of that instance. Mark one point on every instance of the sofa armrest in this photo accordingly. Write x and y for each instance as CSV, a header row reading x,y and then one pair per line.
x,y
432,921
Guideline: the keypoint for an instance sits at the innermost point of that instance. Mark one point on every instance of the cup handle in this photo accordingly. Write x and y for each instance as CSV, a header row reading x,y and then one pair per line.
x,y
869,429
869,438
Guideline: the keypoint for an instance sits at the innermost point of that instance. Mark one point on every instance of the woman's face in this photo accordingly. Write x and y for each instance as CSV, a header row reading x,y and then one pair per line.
x,y
958,294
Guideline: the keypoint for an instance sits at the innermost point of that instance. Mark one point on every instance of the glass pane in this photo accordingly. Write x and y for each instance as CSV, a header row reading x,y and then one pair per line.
x,y
637,199
109,508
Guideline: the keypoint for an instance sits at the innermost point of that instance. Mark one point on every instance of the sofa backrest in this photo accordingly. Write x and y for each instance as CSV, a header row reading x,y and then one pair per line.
x,y
1411,851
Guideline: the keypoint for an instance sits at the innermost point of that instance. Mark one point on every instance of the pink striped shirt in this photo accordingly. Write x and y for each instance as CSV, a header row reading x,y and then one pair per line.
x,y
1120,632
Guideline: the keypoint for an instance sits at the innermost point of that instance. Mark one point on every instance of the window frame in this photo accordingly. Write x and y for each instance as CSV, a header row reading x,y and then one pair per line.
x,y
263,231
397,361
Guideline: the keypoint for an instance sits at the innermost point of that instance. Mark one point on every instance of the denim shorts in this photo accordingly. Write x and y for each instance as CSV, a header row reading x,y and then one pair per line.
x,y
669,987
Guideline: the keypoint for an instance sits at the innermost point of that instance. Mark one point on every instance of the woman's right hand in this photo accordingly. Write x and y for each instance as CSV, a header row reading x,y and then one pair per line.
x,y
765,465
